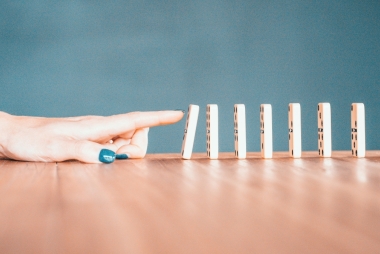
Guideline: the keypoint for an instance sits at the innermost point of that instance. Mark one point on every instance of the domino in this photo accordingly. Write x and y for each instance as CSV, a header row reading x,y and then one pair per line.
x,y
240,131
212,142
324,130
358,130
294,124
266,131
189,133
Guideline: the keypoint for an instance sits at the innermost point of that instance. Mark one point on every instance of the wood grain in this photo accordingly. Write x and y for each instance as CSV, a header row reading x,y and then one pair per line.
x,y
163,204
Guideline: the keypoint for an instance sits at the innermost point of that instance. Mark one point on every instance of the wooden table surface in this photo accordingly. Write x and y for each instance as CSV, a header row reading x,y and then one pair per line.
x,y
163,204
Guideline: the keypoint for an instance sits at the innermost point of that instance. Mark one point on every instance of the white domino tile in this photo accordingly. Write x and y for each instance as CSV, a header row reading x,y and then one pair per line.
x,y
294,125
358,129
324,129
266,131
240,131
212,142
190,129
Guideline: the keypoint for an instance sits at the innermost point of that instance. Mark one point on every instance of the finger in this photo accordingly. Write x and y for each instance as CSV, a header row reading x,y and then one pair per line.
x,y
119,142
108,127
138,145
110,146
87,151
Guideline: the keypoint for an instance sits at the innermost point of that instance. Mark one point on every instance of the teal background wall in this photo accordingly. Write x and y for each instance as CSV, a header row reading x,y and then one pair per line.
x,y
65,58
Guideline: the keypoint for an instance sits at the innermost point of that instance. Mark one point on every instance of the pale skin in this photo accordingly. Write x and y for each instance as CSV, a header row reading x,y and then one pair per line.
x,y
79,138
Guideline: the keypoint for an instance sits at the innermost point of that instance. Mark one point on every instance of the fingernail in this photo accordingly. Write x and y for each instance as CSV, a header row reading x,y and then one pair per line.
x,y
121,156
107,156
183,111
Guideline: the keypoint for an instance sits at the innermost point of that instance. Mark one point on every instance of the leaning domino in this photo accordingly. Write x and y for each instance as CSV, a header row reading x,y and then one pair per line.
x,y
294,124
212,131
266,131
358,129
240,131
190,129
324,129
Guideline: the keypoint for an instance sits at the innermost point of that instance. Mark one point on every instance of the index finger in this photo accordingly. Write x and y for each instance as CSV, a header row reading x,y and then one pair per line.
x,y
118,124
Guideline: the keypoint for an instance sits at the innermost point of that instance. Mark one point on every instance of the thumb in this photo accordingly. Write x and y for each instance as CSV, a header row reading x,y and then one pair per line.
x,y
89,152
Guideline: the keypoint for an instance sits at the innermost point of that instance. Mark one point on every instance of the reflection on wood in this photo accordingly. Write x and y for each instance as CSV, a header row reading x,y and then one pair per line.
x,y
168,205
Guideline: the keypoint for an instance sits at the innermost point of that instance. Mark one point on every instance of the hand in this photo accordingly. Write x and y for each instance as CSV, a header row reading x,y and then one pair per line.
x,y
91,139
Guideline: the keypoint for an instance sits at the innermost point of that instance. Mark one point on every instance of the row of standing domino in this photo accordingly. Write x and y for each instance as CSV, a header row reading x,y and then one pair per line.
x,y
294,124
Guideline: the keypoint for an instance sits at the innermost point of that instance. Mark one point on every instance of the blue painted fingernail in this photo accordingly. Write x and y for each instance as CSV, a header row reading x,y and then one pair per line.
x,y
107,156
121,156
